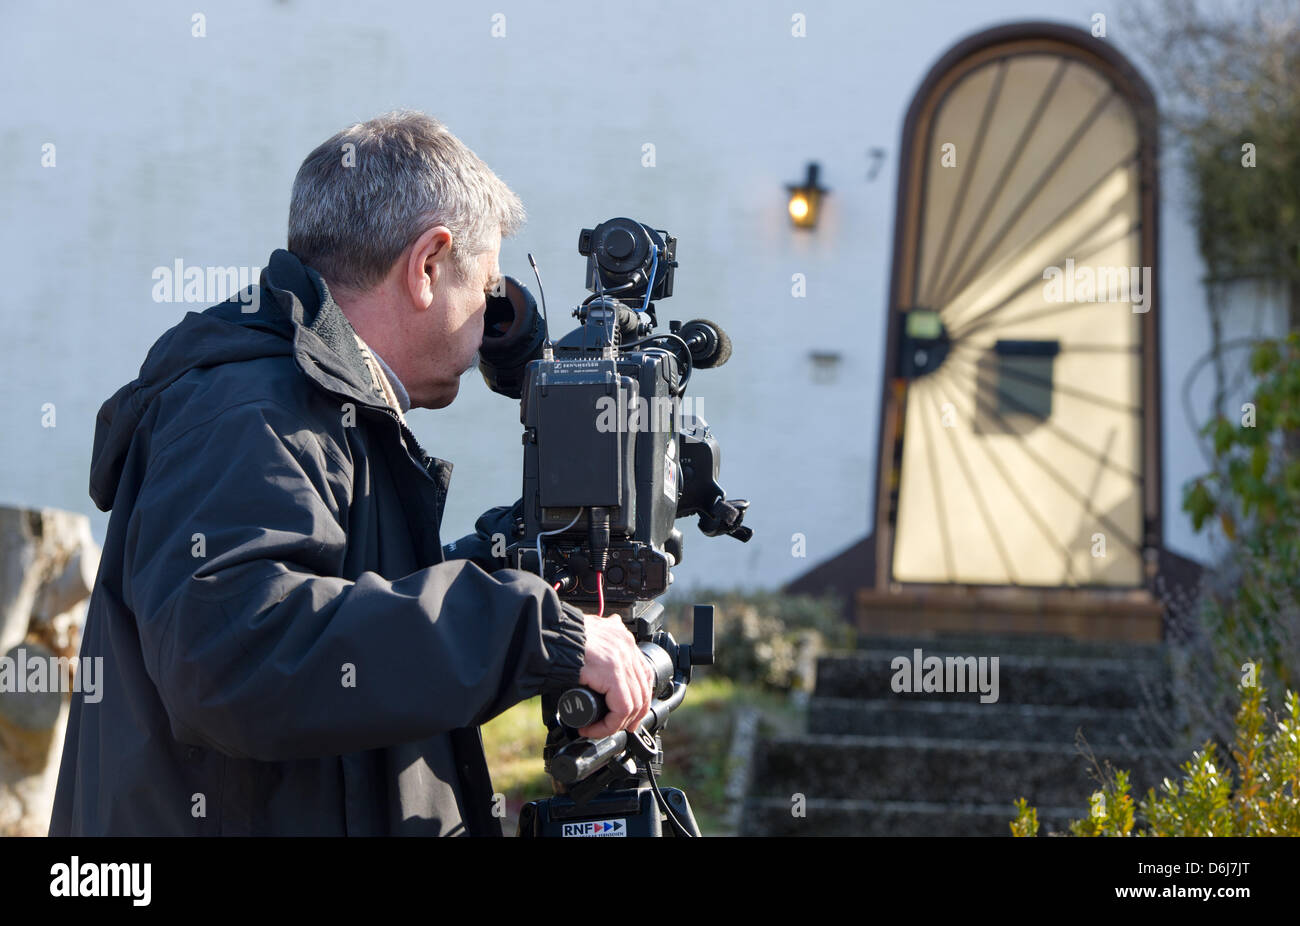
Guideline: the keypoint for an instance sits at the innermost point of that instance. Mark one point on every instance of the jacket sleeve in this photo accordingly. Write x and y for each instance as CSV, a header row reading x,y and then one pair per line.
x,y
498,522
260,650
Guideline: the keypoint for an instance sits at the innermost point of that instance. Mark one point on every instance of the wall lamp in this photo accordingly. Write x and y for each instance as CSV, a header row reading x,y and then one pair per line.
x,y
806,198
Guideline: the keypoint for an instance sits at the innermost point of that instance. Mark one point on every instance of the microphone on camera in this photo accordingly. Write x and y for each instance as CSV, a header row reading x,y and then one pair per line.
x,y
708,343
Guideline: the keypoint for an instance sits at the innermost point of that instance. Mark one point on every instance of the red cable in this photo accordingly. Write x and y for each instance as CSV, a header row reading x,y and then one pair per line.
x,y
600,593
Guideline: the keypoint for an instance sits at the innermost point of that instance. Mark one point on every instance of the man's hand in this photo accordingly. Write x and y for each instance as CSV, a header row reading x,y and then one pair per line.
x,y
614,667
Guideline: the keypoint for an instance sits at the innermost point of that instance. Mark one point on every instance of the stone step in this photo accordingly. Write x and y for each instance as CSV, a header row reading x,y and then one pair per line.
x,y
773,816
966,721
996,772
1054,681
1014,644
1095,615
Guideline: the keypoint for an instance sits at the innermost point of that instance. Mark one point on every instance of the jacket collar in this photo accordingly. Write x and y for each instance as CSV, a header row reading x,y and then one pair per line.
x,y
325,346
324,342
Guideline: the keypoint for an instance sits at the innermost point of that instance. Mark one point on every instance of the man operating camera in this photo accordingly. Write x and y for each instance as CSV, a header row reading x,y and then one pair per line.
x,y
288,647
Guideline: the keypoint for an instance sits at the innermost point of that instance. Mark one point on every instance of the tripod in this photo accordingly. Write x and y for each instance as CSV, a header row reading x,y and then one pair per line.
x,y
609,787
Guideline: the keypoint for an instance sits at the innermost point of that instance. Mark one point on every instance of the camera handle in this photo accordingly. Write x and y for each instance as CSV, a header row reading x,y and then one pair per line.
x,y
671,663
724,517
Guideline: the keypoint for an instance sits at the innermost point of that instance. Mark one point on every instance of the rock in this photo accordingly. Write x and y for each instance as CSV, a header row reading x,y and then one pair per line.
x,y
28,717
48,563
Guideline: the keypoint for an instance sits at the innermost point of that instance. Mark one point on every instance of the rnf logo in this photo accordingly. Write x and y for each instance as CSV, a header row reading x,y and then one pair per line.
x,y
597,828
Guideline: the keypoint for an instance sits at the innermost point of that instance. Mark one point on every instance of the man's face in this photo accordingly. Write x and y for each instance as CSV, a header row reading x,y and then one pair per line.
x,y
455,328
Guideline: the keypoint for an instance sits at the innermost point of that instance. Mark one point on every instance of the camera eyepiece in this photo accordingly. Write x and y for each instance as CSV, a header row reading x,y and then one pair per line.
x,y
513,336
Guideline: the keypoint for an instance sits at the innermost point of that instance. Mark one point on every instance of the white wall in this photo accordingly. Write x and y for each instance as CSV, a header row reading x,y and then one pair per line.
x,y
171,146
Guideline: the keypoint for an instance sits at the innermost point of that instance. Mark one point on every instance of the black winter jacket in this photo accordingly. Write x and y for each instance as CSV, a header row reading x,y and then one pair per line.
x,y
287,648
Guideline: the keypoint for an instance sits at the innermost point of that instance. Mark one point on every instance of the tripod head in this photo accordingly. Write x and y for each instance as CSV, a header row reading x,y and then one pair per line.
x,y
574,763
609,786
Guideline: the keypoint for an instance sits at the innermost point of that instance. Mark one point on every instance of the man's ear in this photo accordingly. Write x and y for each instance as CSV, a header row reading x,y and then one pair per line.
x,y
426,262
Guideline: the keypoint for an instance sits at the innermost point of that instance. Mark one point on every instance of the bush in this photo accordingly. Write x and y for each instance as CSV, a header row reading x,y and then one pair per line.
x,y
765,638
1265,800
1249,611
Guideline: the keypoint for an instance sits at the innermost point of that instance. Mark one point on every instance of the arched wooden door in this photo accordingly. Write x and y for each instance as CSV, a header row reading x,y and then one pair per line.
x,y
1020,439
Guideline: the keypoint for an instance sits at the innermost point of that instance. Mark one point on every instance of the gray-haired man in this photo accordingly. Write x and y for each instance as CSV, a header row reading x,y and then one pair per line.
x,y
287,648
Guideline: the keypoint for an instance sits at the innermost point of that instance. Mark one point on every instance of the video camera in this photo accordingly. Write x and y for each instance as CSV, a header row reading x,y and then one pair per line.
x,y
614,454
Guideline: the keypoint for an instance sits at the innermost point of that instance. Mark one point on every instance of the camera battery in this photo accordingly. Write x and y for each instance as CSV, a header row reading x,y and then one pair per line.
x,y
581,462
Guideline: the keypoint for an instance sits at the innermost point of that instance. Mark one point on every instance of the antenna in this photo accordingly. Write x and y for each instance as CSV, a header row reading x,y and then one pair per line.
x,y
545,322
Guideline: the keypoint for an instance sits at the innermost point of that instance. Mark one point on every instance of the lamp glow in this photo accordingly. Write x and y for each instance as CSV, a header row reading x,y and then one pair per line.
x,y
806,198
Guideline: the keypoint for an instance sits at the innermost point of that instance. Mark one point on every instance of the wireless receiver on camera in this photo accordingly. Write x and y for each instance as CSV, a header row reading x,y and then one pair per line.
x,y
614,454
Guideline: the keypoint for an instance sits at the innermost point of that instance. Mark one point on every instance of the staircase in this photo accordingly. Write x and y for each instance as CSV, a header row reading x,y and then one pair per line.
x,y
879,763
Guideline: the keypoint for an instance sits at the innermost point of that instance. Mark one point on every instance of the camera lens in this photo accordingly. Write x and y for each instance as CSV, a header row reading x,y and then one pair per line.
x,y
619,244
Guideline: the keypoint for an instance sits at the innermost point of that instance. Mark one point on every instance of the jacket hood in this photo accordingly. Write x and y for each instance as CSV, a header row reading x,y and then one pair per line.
x,y
295,315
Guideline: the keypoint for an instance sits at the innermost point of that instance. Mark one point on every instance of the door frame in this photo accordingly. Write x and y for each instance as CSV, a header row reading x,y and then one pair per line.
x,y
1016,39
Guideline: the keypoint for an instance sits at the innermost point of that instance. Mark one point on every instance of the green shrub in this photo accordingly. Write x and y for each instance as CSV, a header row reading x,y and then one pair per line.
x,y
765,638
1026,821
1248,611
1262,798
1254,495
